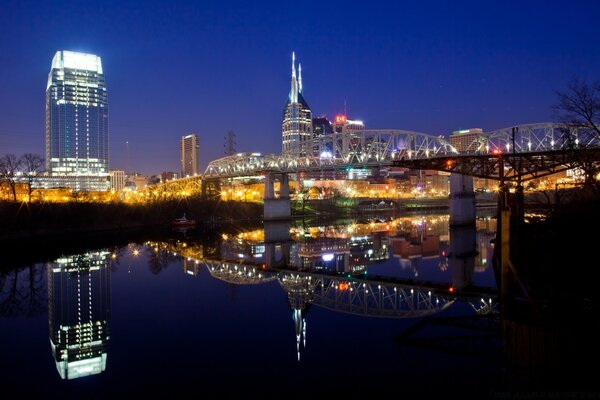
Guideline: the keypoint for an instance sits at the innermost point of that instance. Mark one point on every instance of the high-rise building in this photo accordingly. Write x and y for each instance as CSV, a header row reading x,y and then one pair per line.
x,y
189,155
79,313
77,121
468,140
296,128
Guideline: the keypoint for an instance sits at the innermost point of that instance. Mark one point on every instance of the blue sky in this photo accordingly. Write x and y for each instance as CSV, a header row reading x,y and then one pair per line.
x,y
175,67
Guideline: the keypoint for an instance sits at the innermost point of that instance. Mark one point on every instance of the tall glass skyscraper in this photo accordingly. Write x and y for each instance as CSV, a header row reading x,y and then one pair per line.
x,y
77,121
296,128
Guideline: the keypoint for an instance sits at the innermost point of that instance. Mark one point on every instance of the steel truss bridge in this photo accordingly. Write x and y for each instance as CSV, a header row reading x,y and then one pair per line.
x,y
369,148
523,151
518,153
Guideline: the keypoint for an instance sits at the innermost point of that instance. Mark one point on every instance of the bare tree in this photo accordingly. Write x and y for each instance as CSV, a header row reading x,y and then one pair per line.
x,y
9,166
578,107
33,166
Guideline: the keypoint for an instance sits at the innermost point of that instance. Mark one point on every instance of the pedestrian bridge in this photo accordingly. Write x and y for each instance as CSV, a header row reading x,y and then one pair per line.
x,y
382,148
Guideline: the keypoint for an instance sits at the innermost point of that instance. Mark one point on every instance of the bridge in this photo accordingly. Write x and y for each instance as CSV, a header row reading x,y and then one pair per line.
x,y
369,148
516,153
386,148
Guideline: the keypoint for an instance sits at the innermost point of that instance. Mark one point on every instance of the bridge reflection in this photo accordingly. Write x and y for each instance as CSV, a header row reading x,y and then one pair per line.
x,y
326,267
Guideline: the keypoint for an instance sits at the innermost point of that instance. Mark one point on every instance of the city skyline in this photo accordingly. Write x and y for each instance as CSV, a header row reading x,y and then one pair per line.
x,y
432,68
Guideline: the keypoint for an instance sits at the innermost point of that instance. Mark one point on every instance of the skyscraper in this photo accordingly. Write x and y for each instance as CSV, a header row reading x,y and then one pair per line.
x,y
296,128
77,121
189,155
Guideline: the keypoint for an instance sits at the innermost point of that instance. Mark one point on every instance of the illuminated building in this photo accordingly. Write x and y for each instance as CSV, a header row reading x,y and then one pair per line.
x,y
138,181
296,128
472,141
77,121
189,155
465,141
79,313
117,180
341,124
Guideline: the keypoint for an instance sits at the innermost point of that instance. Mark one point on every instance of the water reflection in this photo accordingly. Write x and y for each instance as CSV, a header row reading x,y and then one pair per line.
x,y
337,267
79,313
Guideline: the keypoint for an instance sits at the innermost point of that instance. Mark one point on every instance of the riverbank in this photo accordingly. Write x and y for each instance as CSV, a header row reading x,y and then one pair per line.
x,y
26,221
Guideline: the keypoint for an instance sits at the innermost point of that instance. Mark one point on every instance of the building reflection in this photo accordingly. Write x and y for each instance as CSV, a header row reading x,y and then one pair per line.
x,y
79,313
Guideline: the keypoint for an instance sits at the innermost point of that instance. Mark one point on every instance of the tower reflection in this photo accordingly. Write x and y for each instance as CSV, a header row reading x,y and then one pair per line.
x,y
79,313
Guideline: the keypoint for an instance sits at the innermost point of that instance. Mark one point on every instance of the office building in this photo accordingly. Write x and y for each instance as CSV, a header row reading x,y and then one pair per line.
x,y
296,128
117,180
189,155
77,121
468,140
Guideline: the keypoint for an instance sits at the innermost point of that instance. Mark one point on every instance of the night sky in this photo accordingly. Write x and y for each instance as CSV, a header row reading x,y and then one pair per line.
x,y
176,67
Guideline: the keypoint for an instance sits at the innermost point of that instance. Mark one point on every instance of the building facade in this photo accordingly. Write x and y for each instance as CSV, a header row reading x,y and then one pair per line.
x,y
296,128
117,180
77,121
189,155
467,140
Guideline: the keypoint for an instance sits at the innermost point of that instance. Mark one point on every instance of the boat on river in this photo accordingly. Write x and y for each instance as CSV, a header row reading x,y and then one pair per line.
x,y
183,222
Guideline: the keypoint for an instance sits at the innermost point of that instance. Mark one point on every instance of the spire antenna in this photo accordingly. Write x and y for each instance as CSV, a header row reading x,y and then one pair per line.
x,y
299,78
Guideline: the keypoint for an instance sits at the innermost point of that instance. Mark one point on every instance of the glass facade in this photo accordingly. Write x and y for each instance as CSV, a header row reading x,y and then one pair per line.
x,y
76,117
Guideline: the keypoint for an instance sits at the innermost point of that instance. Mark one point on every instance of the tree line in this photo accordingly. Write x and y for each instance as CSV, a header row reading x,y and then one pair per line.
x,y
27,168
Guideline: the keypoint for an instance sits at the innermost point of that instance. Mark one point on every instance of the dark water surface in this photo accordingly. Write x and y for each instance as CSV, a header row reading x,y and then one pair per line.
x,y
403,306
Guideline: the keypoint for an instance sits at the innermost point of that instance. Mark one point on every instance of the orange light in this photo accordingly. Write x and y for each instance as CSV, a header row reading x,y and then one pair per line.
x,y
340,119
387,187
343,286
451,290
449,163
496,151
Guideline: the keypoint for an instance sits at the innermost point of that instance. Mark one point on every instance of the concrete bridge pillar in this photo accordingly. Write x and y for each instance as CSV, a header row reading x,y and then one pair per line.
x,y
277,208
462,200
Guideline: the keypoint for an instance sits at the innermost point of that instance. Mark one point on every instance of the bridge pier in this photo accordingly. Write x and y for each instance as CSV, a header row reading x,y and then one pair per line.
x,y
462,200
279,208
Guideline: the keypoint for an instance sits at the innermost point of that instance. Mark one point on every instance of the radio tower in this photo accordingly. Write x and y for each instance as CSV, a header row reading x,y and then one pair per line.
x,y
229,145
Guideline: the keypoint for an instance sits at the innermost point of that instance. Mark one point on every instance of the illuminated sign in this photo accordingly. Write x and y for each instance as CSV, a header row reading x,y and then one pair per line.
x,y
340,119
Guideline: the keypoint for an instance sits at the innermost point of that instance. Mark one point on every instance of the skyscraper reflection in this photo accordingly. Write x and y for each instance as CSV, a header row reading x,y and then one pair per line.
x,y
79,313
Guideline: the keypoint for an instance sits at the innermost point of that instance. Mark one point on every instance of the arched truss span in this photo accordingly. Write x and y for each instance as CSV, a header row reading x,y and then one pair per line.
x,y
361,149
